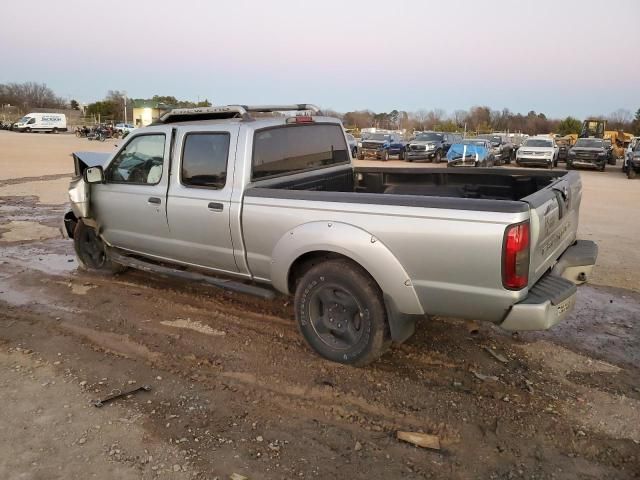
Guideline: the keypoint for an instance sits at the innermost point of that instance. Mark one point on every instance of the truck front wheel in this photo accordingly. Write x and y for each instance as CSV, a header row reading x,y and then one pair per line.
x,y
91,251
341,314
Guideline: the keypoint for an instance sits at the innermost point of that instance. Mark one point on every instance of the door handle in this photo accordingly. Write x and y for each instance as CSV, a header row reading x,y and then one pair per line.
x,y
154,200
215,206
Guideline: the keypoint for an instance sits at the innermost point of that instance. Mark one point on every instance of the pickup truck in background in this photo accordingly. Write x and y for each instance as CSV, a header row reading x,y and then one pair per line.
x,y
273,204
431,146
381,146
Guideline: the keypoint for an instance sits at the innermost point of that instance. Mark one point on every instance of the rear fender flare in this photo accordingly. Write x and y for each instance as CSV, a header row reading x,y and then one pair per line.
x,y
354,243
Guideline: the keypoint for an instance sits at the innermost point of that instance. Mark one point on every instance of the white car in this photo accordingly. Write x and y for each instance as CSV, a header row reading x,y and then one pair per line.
x,y
124,127
540,151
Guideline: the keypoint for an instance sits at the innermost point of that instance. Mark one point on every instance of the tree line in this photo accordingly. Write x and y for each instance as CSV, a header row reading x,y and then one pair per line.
x,y
482,119
112,106
28,95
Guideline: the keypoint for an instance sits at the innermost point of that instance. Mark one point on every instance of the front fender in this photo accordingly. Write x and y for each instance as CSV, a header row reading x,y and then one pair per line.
x,y
354,243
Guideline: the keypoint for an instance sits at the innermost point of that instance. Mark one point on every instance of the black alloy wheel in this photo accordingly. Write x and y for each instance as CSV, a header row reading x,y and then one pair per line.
x,y
341,314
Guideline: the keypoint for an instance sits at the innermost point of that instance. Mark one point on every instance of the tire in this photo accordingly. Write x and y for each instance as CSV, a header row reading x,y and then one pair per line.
x,y
354,152
28,130
341,314
91,252
401,155
55,130
602,167
385,156
438,156
631,173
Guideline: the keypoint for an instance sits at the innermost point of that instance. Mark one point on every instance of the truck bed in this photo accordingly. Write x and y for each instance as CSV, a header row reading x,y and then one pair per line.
x,y
502,190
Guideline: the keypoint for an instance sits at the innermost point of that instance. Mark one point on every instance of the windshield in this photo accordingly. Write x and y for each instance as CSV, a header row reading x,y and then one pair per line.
x,y
429,137
536,142
24,120
379,136
589,143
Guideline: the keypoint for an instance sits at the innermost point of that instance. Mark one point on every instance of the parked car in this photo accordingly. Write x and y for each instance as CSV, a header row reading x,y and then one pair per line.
x,y
628,153
587,152
431,146
564,144
611,158
503,150
42,122
471,152
353,145
124,127
382,146
631,164
540,151
276,202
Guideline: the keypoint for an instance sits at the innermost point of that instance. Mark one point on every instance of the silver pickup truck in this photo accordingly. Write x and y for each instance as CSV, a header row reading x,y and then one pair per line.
x,y
259,204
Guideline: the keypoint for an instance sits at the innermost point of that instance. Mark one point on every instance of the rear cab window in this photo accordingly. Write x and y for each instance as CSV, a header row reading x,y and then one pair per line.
x,y
295,148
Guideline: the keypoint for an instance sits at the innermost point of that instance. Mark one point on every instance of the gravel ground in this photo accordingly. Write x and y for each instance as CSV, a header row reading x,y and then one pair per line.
x,y
235,390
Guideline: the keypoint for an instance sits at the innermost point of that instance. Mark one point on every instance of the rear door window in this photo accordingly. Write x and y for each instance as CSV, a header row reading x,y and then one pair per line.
x,y
297,148
204,160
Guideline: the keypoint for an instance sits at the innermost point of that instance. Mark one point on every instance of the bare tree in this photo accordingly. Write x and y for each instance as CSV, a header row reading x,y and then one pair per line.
x,y
29,95
621,119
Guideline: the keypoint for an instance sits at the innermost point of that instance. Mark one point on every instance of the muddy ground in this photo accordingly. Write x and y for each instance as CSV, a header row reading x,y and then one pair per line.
x,y
235,389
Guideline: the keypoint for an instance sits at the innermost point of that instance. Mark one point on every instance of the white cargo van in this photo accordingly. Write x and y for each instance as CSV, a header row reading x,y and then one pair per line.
x,y
42,122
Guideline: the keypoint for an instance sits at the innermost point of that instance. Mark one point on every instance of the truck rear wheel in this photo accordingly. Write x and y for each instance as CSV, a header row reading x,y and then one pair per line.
x,y
631,172
438,157
91,251
341,314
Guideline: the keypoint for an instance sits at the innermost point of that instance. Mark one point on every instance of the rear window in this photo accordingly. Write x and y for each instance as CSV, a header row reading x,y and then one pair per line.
x,y
296,148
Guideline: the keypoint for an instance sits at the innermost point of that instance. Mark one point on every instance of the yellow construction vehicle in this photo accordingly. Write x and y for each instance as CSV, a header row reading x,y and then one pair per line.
x,y
597,128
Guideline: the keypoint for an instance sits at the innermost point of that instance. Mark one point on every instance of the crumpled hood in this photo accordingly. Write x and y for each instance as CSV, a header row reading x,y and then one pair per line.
x,y
83,160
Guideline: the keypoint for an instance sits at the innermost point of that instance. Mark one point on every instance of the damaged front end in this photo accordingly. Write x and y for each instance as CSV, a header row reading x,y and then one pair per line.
x,y
79,189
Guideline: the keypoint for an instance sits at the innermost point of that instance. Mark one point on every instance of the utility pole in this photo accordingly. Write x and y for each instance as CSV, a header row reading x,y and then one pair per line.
x,y
125,107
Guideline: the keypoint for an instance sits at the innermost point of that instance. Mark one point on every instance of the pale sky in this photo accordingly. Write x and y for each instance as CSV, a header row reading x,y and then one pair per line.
x,y
558,57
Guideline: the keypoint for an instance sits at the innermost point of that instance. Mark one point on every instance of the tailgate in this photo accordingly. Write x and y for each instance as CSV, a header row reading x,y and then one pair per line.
x,y
554,222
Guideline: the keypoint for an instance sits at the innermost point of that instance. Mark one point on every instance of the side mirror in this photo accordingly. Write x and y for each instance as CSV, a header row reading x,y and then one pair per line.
x,y
94,175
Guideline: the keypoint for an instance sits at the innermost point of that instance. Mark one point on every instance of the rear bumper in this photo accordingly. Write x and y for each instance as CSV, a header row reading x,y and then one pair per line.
x,y
553,297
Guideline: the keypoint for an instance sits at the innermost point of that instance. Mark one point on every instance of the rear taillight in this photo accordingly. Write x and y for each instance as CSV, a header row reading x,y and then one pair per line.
x,y
515,256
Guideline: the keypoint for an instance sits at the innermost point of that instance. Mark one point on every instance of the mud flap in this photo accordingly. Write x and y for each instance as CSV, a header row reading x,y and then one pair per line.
x,y
401,325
